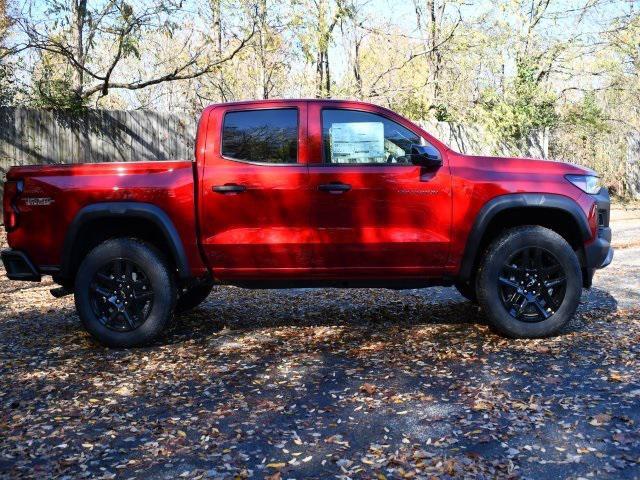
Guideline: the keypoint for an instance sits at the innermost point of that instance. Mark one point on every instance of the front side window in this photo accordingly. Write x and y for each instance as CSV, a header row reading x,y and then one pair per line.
x,y
354,137
264,136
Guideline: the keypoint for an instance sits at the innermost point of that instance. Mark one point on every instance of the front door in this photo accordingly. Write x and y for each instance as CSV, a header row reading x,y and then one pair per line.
x,y
373,211
254,191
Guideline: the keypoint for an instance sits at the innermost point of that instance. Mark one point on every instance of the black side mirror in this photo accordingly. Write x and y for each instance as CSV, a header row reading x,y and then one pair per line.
x,y
426,156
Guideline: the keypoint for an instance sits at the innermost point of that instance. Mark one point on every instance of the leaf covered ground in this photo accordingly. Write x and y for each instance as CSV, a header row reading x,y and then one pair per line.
x,y
324,384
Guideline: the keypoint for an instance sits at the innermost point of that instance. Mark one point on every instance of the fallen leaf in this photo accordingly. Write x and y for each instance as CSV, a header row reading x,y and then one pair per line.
x,y
600,419
368,388
482,405
616,377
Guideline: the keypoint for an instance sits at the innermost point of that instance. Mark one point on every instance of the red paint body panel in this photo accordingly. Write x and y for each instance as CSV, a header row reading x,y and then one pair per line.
x,y
264,228
476,180
397,221
42,229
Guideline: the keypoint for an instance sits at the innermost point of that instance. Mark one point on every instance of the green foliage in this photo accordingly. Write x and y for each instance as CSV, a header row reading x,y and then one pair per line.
x,y
7,83
410,106
416,108
131,46
585,136
522,109
55,92
587,118
442,113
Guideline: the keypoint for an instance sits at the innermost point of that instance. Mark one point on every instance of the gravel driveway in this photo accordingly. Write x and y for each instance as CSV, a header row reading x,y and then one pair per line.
x,y
327,384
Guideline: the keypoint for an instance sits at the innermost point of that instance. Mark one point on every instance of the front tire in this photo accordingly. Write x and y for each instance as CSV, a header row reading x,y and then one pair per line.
x,y
124,293
529,283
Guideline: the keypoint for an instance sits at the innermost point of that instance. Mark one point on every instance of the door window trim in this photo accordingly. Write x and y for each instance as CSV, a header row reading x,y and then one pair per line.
x,y
264,164
324,162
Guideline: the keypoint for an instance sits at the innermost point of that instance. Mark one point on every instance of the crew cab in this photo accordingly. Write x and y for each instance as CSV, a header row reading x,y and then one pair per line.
x,y
307,193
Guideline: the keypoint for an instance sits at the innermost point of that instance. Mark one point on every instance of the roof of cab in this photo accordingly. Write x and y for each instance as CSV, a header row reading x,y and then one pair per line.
x,y
291,100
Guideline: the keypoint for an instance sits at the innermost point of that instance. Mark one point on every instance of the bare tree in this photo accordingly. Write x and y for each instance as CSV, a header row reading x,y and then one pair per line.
x,y
94,40
436,32
325,18
271,57
5,23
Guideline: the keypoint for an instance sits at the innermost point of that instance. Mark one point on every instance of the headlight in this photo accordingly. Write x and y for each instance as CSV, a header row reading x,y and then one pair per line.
x,y
587,183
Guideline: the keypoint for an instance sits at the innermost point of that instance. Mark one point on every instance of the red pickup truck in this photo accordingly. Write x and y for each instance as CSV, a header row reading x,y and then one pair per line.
x,y
308,193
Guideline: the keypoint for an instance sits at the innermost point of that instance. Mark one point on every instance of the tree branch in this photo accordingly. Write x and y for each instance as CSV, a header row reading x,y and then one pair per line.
x,y
177,74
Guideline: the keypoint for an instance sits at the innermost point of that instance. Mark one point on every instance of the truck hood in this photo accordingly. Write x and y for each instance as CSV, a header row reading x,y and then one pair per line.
x,y
531,165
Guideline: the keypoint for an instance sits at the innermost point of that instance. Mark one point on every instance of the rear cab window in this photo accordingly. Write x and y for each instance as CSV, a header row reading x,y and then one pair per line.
x,y
267,136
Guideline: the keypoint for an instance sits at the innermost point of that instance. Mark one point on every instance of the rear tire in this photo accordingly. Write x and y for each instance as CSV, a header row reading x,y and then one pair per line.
x,y
124,293
529,283
193,297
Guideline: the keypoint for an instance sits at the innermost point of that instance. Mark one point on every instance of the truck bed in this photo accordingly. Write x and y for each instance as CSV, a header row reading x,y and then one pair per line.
x,y
54,194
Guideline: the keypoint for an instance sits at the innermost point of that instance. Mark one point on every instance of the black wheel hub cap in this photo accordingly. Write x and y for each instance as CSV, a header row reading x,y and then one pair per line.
x,y
121,295
532,284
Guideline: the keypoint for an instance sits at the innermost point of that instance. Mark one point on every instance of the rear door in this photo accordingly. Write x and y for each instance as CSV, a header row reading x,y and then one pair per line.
x,y
373,211
254,190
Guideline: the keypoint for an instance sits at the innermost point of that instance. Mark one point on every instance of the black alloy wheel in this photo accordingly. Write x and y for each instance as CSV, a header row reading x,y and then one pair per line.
x,y
529,282
121,295
532,284
125,292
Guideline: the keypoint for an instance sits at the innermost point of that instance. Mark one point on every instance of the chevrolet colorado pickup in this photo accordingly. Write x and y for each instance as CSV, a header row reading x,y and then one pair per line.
x,y
308,193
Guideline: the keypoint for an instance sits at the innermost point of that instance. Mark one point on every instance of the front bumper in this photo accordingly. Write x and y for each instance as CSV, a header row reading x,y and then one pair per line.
x,y
19,267
598,253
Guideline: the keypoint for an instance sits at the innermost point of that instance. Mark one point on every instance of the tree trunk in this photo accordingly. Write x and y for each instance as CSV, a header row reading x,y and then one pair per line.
x,y
78,14
319,74
435,58
216,17
262,47
323,35
431,33
356,67
327,73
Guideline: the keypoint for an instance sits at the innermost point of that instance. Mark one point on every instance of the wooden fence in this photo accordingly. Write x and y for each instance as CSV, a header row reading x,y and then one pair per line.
x,y
30,136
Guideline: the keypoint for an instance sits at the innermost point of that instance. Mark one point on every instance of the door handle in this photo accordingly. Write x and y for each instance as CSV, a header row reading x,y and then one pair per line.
x,y
334,187
229,188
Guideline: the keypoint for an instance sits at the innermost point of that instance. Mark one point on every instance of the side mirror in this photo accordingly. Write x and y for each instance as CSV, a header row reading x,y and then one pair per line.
x,y
425,156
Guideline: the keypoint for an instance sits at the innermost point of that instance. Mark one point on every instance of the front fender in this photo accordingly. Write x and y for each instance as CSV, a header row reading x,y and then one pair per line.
x,y
516,200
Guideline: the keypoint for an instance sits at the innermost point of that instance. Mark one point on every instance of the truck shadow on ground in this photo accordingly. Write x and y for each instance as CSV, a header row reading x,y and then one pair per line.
x,y
242,311
343,308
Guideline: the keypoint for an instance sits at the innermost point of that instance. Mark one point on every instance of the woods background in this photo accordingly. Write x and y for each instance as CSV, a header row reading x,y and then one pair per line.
x,y
551,78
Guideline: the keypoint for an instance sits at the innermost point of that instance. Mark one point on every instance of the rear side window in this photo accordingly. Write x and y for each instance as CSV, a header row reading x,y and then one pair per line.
x,y
264,136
